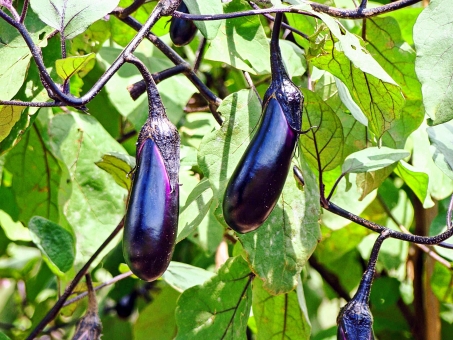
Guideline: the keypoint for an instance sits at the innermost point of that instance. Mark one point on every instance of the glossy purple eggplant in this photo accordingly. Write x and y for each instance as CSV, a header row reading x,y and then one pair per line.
x,y
182,31
257,182
259,178
151,220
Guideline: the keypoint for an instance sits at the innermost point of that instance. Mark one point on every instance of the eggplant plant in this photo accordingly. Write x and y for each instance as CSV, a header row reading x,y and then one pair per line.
x,y
258,180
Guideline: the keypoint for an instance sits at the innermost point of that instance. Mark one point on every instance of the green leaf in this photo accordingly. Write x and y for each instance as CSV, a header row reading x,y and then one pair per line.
x,y
67,67
325,127
434,62
182,276
304,24
3,336
38,176
209,29
398,59
278,317
56,243
15,54
119,166
241,42
417,181
441,283
441,139
9,115
406,18
20,262
372,159
440,185
219,309
278,249
96,204
293,58
72,17
157,319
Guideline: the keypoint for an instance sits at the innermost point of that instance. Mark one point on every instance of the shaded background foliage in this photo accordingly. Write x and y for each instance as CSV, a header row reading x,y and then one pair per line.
x,y
377,101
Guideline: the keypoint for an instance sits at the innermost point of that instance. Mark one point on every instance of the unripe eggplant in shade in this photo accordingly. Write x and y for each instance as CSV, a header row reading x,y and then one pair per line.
x,y
257,182
182,31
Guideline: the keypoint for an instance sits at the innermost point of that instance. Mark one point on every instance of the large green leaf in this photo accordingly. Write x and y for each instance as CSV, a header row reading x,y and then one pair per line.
x,y
97,203
241,42
39,181
325,128
277,250
416,180
433,64
56,243
441,137
72,17
15,54
278,317
219,309
387,46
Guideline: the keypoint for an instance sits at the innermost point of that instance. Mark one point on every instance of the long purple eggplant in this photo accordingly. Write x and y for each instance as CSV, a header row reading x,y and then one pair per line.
x,y
257,182
182,31
152,217
151,222
355,320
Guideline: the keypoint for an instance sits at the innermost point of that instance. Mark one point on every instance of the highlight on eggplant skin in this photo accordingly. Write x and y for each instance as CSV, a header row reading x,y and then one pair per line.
x,y
258,180
151,221
182,31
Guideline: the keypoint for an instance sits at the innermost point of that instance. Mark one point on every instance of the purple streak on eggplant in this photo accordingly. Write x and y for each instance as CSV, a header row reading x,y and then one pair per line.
x,y
257,182
182,31
152,216
355,320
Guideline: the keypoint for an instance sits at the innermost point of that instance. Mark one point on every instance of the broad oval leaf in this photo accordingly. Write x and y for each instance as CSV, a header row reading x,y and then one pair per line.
x,y
72,17
434,63
67,67
56,243
372,159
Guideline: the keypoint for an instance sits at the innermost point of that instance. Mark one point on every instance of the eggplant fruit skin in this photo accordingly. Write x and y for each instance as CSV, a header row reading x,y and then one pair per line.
x,y
182,31
355,321
257,182
151,220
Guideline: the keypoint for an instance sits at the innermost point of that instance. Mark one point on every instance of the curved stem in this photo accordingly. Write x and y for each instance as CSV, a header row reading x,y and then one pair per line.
x,y
332,11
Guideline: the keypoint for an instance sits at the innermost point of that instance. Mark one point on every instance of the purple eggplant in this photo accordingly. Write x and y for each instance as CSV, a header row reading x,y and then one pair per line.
x,y
257,182
182,31
152,216
355,320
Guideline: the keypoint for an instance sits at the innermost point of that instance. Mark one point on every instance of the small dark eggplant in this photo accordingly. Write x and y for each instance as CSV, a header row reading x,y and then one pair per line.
x,y
355,320
257,182
152,216
182,31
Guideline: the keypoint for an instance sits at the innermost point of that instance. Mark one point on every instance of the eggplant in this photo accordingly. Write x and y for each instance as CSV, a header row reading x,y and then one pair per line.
x,y
355,320
151,220
182,31
257,182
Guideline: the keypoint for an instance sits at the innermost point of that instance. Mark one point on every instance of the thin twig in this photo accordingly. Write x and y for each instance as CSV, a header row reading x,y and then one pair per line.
x,y
251,85
131,9
105,284
199,54
24,11
428,250
332,11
